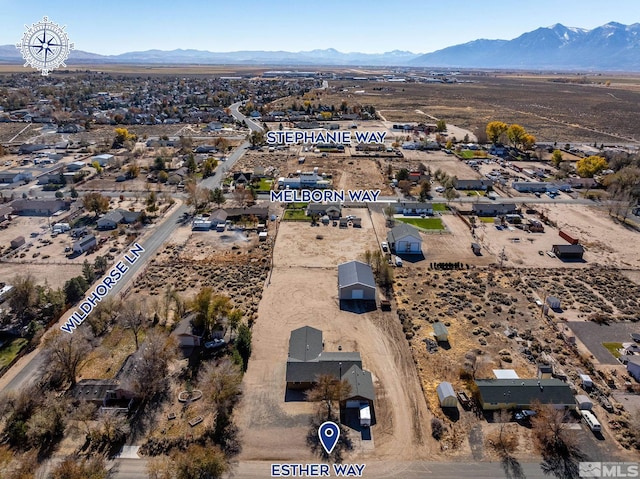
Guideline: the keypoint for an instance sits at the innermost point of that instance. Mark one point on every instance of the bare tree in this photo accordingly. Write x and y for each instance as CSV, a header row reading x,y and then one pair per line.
x,y
67,353
328,390
149,376
133,316
559,448
220,384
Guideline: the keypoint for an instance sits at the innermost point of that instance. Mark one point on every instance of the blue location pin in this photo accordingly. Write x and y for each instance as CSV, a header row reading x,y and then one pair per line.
x,y
329,433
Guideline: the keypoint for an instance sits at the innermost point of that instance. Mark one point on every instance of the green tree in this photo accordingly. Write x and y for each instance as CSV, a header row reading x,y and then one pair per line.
x,y
402,174
191,163
256,138
425,189
75,288
163,177
24,296
495,131
97,167
159,164
441,126
556,158
73,192
88,272
59,194
217,197
243,344
96,203
590,166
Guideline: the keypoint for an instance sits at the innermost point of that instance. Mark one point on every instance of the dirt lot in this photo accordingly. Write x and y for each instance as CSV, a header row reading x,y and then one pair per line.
x,y
552,111
302,291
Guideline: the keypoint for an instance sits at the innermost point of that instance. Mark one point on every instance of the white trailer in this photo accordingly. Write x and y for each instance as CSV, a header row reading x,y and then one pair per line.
x,y
591,421
365,414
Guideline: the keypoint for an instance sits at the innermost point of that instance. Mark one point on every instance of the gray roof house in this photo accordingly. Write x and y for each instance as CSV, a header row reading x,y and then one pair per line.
x,y
405,239
307,360
29,207
522,393
332,210
115,217
356,281
472,184
84,244
494,209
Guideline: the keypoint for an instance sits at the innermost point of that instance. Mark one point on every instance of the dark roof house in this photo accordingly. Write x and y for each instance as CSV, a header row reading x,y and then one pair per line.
x,y
522,393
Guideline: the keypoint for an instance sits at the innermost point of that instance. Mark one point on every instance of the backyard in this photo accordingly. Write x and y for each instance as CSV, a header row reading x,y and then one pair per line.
x,y
424,223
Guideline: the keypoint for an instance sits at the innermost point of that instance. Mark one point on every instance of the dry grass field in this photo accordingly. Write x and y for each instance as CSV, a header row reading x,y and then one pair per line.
x,y
563,112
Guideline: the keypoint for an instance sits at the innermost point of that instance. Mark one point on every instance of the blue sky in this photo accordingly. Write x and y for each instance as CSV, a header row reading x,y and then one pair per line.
x,y
117,26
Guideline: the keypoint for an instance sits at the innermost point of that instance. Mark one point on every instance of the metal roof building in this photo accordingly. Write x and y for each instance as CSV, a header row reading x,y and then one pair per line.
x,y
521,393
356,281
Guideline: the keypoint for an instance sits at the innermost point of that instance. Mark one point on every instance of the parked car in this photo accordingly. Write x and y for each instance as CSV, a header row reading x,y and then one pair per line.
x,y
524,414
215,344
398,261
385,246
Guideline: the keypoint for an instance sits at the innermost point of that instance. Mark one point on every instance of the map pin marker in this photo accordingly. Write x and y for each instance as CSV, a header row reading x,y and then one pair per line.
x,y
329,433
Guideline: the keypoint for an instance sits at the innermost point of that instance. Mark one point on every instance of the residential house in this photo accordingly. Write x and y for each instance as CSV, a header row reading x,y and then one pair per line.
x,y
214,126
75,166
242,178
404,239
356,281
530,186
217,217
84,244
103,160
414,208
104,392
307,361
493,209
332,210
260,212
633,367
523,393
15,176
479,184
184,334
40,207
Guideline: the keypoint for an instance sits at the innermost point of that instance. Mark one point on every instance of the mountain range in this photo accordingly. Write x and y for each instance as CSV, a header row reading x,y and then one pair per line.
x,y
610,47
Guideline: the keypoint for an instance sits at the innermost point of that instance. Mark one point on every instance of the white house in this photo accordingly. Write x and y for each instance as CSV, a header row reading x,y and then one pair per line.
x,y
405,239
413,208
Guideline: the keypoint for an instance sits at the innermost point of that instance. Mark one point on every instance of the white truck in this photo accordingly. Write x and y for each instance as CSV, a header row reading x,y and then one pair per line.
x,y
365,414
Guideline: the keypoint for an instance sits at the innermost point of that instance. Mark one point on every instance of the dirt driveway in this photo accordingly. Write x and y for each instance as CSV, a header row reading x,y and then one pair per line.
x,y
303,291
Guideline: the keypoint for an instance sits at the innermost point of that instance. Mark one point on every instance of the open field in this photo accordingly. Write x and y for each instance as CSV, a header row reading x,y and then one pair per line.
x,y
551,111
304,273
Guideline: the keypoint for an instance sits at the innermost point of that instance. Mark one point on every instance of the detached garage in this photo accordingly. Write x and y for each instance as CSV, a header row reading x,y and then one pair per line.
x,y
356,281
405,239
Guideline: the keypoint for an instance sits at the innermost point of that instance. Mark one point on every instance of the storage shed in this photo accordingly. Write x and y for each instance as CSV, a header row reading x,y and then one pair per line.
x,y
553,302
446,395
440,331
586,381
17,242
583,402
356,281
568,251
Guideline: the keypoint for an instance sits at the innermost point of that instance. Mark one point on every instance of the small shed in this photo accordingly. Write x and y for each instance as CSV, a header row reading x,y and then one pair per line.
x,y
262,236
545,371
583,402
17,242
586,381
440,332
446,395
356,222
553,302
344,222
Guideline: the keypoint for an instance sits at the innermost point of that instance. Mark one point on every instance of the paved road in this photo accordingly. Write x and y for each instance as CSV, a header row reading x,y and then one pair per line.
x,y
136,468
